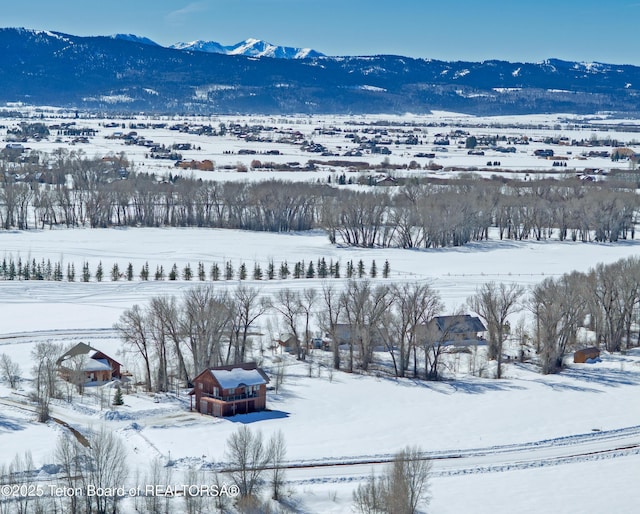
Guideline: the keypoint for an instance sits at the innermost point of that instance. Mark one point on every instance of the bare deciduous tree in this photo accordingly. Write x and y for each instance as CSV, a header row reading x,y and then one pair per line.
x,y
400,490
206,324
288,304
9,370
45,368
134,330
248,458
559,308
278,452
365,308
415,304
494,303
249,306
328,319
107,468
70,455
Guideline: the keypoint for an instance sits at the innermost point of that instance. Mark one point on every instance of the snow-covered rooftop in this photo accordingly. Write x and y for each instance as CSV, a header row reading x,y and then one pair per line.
x,y
230,379
97,365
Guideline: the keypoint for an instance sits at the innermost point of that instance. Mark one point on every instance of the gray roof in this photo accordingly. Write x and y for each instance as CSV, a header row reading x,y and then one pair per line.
x,y
459,324
81,349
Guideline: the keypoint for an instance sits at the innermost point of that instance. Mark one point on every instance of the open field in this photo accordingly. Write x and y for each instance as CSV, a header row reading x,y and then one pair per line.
x,y
362,418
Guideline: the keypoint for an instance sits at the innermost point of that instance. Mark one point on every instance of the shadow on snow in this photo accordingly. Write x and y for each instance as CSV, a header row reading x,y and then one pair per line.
x,y
254,417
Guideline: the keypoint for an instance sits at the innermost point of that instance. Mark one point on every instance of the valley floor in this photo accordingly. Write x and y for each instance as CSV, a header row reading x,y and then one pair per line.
x,y
568,443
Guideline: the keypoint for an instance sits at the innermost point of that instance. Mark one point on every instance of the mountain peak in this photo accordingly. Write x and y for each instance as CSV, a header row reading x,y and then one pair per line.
x,y
135,39
251,47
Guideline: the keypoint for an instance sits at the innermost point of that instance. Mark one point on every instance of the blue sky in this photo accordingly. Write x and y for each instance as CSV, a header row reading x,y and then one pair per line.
x,y
530,31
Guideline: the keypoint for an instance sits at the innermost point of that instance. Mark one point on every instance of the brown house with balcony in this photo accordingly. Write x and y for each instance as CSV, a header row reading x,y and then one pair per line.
x,y
229,390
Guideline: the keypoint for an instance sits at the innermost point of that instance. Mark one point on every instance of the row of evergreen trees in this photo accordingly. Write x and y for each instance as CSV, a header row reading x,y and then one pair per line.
x,y
46,270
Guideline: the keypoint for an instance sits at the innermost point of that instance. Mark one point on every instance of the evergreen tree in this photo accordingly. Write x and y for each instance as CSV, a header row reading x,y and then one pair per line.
x,y
187,274
117,396
350,269
284,271
33,269
242,272
297,270
99,272
12,270
71,272
159,273
336,273
57,272
386,269
19,269
173,274
323,272
202,275
257,272
115,272
129,272
360,269
228,271
26,271
215,271
271,272
5,268
373,272
144,272
48,270
311,272
86,273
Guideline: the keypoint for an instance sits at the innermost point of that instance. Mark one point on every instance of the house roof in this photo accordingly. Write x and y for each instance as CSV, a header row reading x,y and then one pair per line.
x,y
591,349
232,378
97,365
459,324
83,349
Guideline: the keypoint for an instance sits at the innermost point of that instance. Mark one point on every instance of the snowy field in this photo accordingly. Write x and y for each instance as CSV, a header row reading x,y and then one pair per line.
x,y
528,443
526,440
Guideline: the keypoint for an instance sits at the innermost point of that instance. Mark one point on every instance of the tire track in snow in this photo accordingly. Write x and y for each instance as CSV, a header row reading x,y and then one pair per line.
x,y
29,336
593,446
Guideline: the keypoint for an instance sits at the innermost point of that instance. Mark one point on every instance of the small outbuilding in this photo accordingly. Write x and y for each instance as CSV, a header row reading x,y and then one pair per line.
x,y
229,390
586,354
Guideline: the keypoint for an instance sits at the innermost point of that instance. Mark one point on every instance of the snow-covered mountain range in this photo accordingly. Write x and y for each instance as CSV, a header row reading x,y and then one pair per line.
x,y
250,47
129,73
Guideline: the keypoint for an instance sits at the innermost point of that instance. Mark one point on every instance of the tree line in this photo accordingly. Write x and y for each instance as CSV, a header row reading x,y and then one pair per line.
x,y
17,269
361,319
205,327
68,189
